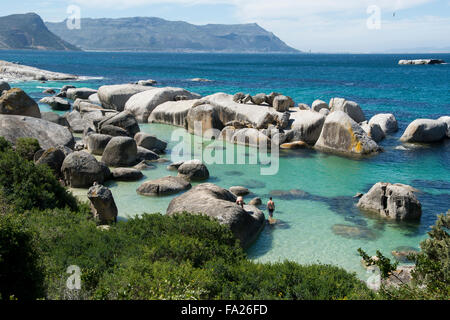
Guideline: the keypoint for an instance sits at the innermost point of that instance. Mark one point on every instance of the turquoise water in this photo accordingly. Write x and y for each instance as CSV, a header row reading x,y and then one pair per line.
x,y
306,220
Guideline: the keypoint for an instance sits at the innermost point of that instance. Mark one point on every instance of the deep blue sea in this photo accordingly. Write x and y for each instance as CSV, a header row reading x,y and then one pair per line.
x,y
306,231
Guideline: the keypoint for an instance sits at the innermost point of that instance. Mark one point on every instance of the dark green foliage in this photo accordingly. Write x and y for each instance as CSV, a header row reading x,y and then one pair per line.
x,y
431,275
385,265
433,262
26,185
27,147
4,144
21,276
180,257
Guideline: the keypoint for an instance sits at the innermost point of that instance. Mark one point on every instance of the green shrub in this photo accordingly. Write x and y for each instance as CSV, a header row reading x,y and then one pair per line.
x,y
27,186
4,144
21,275
27,147
431,274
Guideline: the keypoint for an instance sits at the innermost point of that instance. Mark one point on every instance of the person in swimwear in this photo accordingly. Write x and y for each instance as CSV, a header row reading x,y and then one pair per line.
x,y
240,201
271,208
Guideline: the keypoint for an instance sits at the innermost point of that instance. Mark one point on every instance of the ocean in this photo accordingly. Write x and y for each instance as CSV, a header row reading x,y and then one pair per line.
x,y
312,225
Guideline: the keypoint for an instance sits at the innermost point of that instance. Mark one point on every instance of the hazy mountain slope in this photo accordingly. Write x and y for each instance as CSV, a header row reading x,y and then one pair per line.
x,y
155,34
28,31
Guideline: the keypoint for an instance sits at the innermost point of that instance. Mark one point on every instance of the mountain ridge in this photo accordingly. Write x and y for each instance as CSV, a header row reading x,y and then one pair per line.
x,y
152,34
28,31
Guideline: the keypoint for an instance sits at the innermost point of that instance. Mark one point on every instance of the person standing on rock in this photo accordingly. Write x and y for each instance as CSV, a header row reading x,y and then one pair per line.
x,y
271,208
240,201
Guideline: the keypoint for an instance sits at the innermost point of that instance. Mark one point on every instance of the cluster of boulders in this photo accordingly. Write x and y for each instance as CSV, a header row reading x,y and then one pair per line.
x,y
20,72
422,61
278,101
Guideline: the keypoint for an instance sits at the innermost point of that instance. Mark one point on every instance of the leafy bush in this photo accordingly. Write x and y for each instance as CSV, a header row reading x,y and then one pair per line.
x,y
21,276
27,147
431,274
180,257
27,186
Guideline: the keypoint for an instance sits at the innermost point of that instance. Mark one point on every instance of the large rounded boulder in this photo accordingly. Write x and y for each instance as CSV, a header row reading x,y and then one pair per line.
x,y
96,143
211,200
392,201
306,126
79,93
47,133
4,86
193,170
124,120
341,134
16,102
120,152
386,121
425,130
142,104
115,96
80,170
150,142
163,186
53,158
349,107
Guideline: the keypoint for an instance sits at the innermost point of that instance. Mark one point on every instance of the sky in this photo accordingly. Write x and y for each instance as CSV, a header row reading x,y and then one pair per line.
x,y
360,26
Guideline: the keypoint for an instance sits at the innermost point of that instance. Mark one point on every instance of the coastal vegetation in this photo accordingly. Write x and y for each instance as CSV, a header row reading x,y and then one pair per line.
x,y
44,230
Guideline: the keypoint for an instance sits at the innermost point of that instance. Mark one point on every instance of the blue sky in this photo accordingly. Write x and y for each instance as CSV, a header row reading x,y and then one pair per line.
x,y
317,25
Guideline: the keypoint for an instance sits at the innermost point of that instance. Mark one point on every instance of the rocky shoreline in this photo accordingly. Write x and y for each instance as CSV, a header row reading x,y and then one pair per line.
x,y
108,119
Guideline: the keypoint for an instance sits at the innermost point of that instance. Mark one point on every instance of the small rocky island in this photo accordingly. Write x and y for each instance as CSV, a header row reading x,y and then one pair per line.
x,y
422,61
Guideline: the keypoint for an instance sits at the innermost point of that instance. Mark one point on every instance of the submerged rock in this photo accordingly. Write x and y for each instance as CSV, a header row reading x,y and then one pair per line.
x,y
103,205
163,186
255,202
353,232
239,191
425,130
393,201
16,102
343,135
245,223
